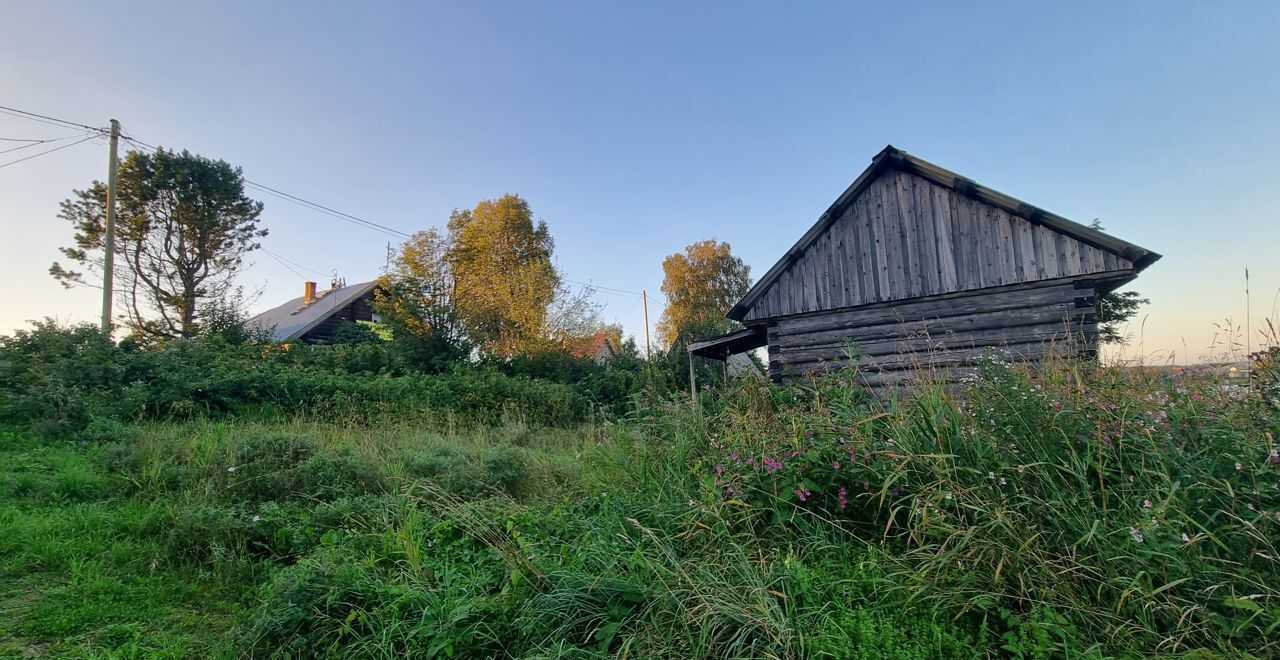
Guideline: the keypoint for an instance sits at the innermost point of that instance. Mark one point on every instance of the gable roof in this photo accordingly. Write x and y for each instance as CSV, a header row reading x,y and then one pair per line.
x,y
293,319
890,159
589,347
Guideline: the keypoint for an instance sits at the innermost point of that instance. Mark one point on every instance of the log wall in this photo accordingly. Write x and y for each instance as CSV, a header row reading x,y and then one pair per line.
x,y
938,335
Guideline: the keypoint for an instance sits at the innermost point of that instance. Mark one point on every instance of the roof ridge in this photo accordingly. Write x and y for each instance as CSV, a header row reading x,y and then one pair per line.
x,y
893,157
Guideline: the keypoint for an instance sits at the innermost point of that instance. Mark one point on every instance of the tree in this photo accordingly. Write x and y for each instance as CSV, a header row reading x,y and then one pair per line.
x,y
1115,309
701,285
183,228
416,301
504,281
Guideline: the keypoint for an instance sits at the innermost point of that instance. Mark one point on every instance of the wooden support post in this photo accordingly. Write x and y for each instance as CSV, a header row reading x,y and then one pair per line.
x,y
109,241
693,384
644,296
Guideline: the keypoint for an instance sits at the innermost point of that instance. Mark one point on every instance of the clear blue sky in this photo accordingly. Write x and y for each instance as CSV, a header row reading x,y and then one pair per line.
x,y
636,129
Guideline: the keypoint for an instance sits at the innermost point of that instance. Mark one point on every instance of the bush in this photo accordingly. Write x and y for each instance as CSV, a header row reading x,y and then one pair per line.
x,y
59,382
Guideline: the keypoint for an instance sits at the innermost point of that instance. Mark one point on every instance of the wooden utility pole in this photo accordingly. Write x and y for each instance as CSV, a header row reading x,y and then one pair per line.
x,y
109,243
644,296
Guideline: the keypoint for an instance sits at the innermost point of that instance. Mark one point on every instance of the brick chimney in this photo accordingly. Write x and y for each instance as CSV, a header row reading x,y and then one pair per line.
x,y
308,293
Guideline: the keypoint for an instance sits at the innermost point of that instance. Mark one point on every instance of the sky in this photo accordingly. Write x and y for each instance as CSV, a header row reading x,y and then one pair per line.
x,y
635,129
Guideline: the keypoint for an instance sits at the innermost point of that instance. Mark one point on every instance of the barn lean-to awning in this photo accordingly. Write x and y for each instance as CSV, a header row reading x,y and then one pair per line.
x,y
721,347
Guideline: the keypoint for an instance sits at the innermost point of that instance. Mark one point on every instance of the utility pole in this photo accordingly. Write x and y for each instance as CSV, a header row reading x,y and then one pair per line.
x,y
109,243
644,295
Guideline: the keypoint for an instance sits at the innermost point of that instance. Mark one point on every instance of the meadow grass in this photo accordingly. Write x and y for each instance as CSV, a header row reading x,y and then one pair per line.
x,y
1078,512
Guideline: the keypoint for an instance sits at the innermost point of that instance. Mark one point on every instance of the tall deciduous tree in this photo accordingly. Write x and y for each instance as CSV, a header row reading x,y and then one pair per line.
x,y
183,228
504,281
416,301
701,284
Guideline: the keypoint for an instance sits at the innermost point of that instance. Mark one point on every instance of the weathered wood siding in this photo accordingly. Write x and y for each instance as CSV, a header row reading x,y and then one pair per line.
x,y
940,335
906,237
360,309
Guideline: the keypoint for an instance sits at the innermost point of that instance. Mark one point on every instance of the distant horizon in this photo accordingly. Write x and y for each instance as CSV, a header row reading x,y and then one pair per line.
x,y
634,131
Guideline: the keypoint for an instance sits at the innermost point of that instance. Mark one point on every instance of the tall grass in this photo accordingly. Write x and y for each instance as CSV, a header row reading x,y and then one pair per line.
x,y
1072,511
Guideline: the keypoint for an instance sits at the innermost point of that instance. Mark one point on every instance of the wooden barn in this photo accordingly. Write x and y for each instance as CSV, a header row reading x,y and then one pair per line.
x,y
926,270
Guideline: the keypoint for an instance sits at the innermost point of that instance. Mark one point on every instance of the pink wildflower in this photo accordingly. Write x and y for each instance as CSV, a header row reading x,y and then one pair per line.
x,y
835,465
719,469
844,498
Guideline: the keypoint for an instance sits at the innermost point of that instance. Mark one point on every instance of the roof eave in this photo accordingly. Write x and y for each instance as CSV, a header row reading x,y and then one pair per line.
x,y
891,156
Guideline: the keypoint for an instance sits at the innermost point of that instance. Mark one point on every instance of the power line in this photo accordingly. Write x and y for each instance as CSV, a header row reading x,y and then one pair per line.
x,y
33,143
49,120
306,203
279,257
282,263
335,213
42,153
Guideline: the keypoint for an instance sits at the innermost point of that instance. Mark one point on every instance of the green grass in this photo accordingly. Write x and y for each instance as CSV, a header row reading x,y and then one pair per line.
x,y
1006,524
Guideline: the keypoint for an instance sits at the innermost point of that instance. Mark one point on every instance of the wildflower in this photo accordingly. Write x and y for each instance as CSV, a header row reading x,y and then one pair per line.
x,y
1135,534
1185,538
1239,466
735,456
835,465
1275,457
1002,481
991,476
1146,504
231,469
803,494
691,503
844,498
948,497
719,469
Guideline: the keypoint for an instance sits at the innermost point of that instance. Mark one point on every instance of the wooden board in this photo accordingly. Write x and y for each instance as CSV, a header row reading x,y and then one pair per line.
x,y
905,237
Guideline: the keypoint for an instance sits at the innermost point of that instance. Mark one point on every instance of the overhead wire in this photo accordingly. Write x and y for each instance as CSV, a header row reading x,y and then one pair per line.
x,y
279,257
33,143
306,203
315,206
46,119
283,263
43,153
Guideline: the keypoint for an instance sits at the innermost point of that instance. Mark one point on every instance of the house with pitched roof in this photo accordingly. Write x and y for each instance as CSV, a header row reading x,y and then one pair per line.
x,y
313,317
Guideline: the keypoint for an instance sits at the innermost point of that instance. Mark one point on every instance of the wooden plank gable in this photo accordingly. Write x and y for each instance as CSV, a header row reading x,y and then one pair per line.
x,y
905,237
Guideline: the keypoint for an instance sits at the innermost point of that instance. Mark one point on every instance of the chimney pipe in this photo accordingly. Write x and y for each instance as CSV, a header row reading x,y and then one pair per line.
x,y
308,293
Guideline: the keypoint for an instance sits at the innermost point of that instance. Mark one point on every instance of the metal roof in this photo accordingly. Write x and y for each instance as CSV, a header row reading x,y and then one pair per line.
x,y
292,320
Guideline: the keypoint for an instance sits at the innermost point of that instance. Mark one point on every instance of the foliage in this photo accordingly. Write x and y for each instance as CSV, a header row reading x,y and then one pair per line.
x,y
226,319
504,281
701,285
1114,310
183,228
235,501
416,303
59,381
1131,510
